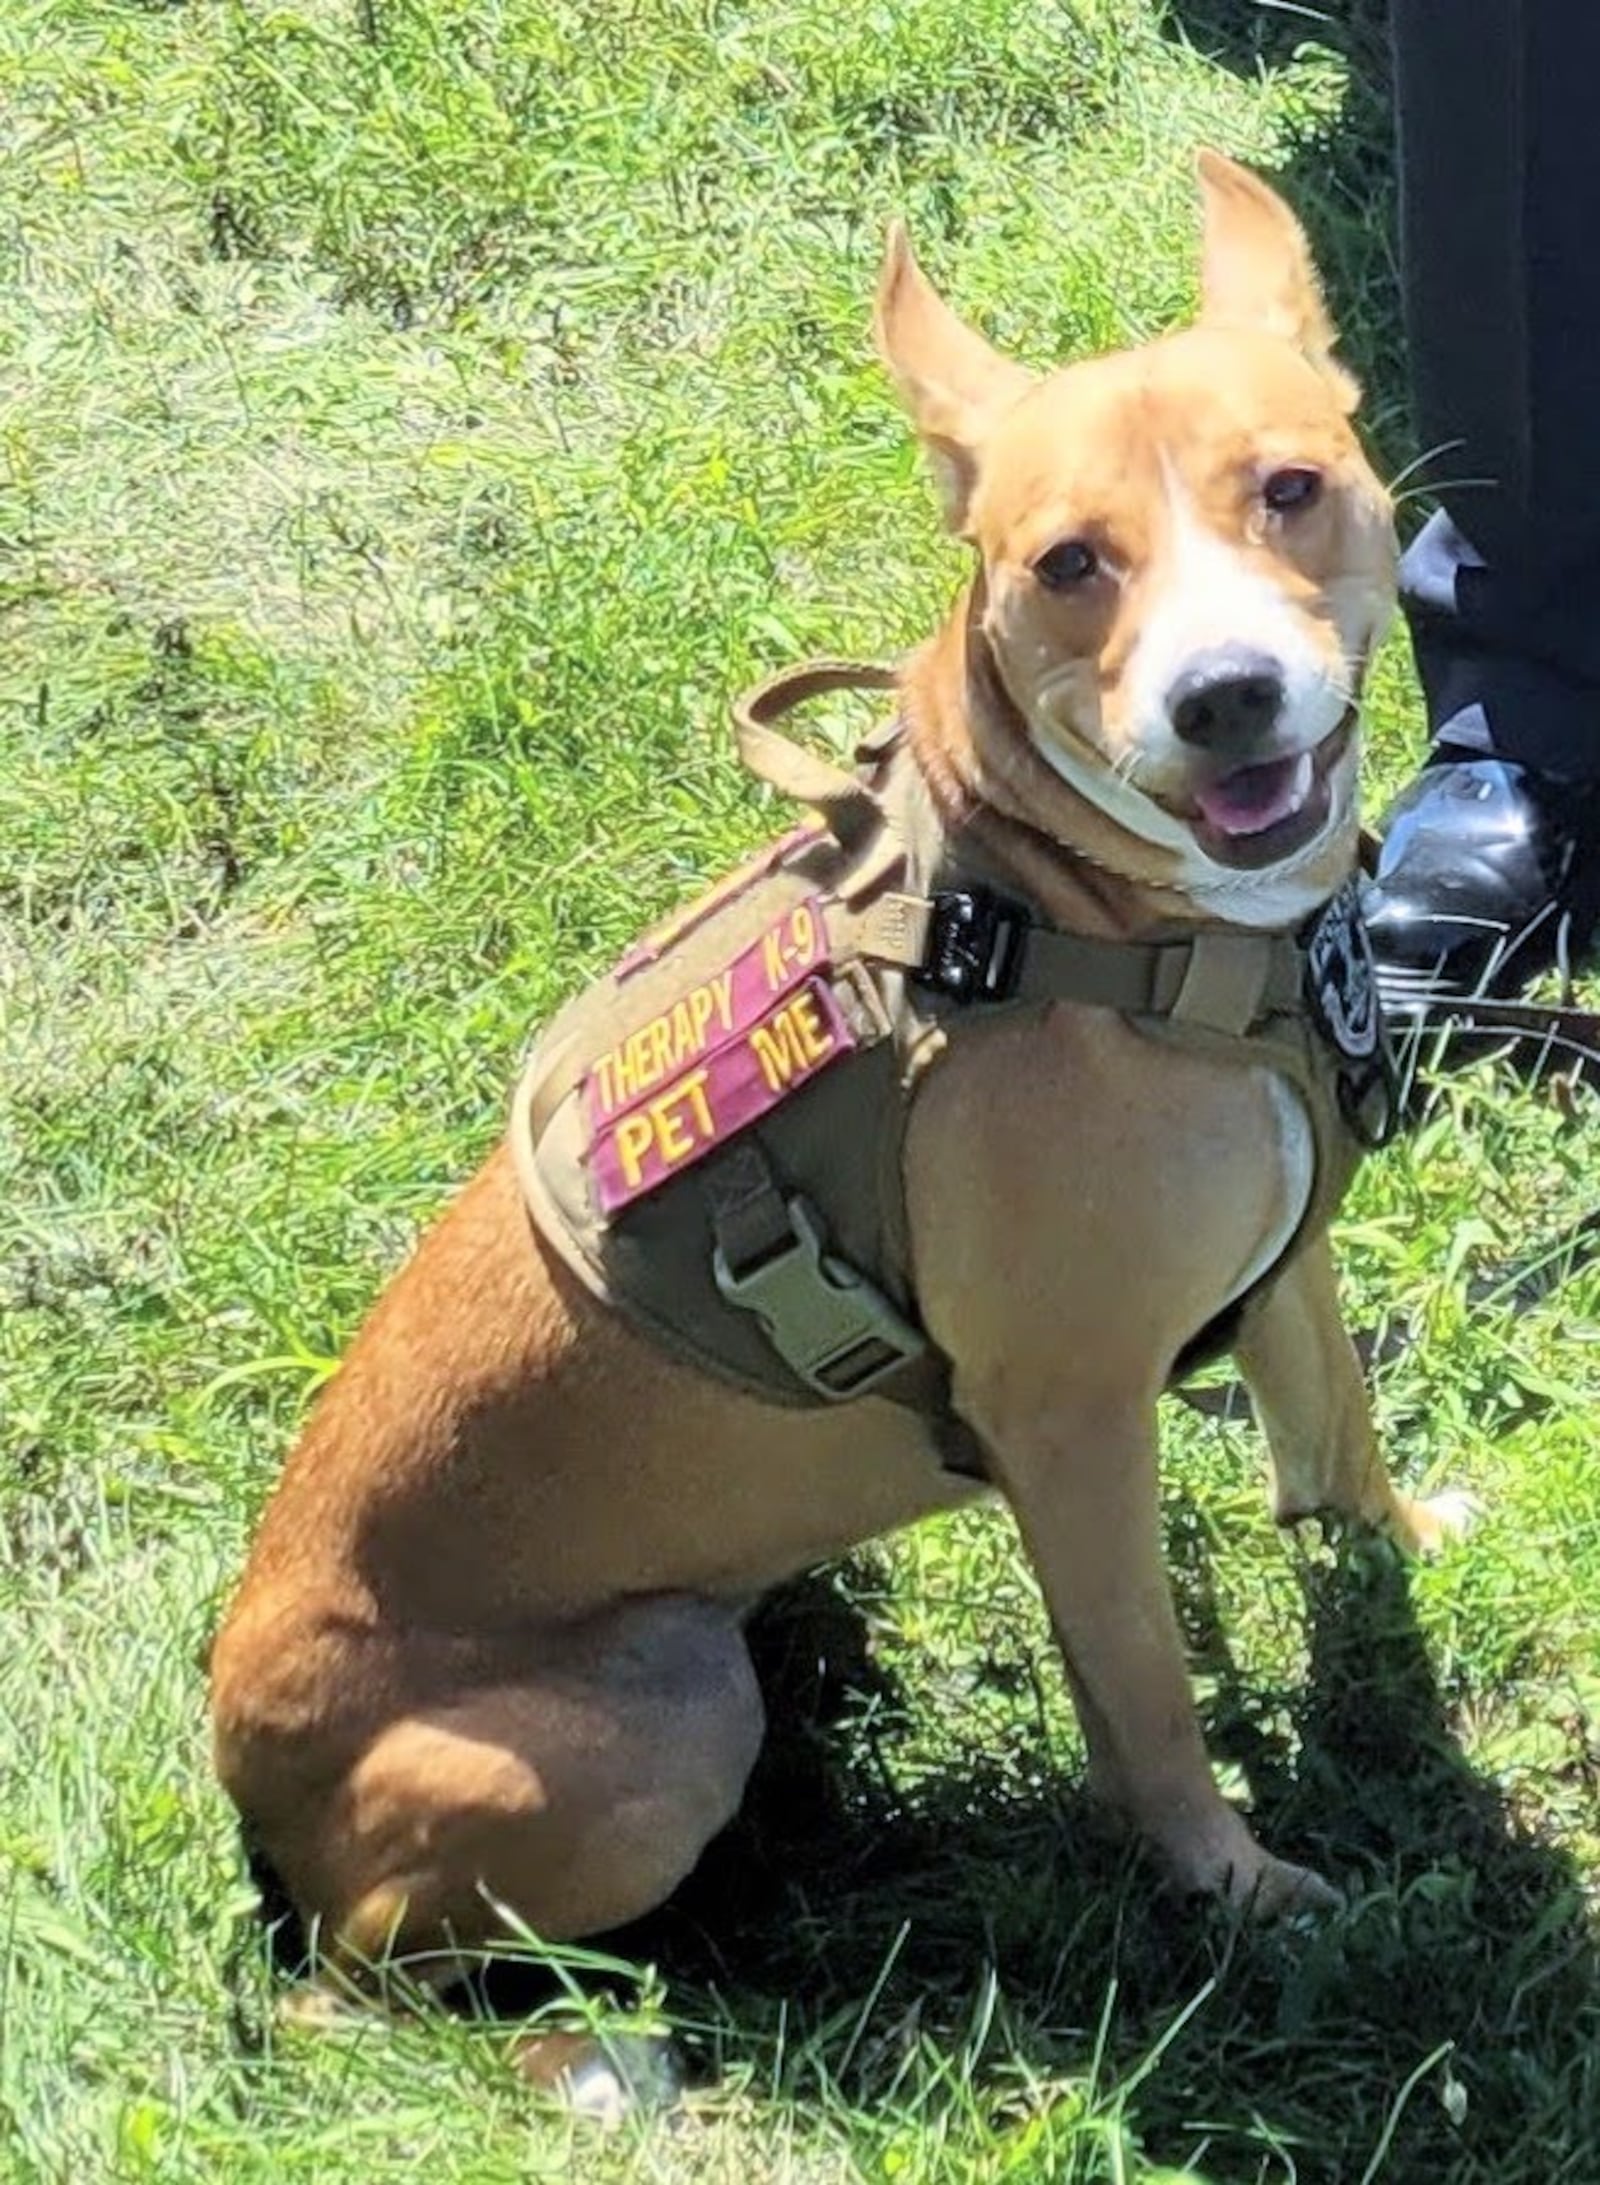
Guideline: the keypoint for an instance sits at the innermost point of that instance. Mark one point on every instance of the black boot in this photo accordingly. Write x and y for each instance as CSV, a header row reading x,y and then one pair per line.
x,y
1489,875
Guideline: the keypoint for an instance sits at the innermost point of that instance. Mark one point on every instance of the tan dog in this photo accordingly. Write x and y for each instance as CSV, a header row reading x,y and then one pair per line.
x,y
489,1645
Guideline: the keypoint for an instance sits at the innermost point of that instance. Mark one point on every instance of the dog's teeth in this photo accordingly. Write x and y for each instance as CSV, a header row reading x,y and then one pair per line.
x,y
1300,787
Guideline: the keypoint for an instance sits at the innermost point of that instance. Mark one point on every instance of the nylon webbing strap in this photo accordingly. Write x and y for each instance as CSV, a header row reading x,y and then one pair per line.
x,y
892,929
835,1331
854,815
1226,982
749,1216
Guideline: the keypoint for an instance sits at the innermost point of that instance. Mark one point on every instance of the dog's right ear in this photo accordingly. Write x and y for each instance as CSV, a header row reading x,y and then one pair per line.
x,y
1256,269
952,382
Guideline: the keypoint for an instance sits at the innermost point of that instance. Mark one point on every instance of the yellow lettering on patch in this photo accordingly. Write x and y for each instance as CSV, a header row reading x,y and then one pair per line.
x,y
616,1077
772,960
792,946
814,1035
635,1136
681,1034
792,1041
693,1089
636,1062
681,1119
672,1128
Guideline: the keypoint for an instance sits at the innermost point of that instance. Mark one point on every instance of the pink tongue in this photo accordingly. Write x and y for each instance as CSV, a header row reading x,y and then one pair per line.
x,y
1249,800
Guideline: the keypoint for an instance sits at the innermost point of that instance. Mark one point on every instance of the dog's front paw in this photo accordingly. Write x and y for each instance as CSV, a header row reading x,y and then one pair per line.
x,y
1417,1524
1277,1889
1226,1862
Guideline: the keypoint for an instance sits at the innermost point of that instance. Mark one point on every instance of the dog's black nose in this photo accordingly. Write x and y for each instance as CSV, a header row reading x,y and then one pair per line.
x,y
1225,698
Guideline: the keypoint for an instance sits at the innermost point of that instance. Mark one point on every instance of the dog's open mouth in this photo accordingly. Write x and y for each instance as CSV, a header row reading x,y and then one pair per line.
x,y
1257,815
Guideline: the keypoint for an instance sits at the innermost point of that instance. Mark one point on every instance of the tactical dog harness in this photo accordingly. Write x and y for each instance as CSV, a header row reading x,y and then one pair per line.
x,y
712,1135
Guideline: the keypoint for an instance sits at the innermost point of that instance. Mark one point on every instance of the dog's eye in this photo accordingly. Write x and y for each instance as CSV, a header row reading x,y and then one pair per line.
x,y
1069,562
1291,489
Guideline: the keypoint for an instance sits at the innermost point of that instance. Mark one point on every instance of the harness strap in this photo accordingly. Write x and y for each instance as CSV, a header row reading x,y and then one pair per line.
x,y
1222,982
1225,981
768,701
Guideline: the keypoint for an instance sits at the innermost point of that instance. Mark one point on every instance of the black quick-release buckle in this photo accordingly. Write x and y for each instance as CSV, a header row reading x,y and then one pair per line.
x,y
976,943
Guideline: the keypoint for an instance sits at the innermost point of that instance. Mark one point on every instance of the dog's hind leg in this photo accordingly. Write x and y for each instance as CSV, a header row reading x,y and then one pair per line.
x,y
574,1778
1306,1384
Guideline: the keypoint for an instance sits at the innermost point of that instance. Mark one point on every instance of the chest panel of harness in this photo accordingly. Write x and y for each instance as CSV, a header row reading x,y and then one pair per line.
x,y
740,1024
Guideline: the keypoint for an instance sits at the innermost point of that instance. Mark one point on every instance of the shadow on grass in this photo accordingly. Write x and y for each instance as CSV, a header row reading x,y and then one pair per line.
x,y
851,1932
853,1919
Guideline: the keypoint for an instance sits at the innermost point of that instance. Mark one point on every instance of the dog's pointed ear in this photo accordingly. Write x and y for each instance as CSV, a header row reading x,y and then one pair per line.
x,y
1256,269
954,385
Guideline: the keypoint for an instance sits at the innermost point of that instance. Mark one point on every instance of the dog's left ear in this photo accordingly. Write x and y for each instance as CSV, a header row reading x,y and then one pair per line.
x,y
1256,269
953,383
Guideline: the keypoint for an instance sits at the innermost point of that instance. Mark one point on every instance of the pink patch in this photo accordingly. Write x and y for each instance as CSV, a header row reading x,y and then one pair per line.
x,y
652,946
717,1059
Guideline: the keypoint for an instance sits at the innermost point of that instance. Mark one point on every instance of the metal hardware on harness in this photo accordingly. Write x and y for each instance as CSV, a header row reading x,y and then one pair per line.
x,y
826,1321
976,940
1371,1101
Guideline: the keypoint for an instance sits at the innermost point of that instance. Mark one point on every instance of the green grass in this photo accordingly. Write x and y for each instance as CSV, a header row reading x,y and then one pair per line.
x,y
415,419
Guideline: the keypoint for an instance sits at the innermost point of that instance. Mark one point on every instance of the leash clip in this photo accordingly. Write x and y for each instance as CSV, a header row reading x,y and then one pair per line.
x,y
976,942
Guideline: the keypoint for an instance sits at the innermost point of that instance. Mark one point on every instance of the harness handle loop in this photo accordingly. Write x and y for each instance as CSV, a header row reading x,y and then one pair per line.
x,y
855,817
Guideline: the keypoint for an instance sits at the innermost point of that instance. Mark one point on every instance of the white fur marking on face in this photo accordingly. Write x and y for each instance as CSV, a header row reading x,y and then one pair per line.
x,y
1210,596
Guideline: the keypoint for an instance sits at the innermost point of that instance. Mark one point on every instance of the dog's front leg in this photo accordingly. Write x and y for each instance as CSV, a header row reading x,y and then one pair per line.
x,y
1309,1395
1083,1482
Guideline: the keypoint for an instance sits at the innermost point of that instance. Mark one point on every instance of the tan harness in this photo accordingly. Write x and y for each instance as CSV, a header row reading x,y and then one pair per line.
x,y
711,1135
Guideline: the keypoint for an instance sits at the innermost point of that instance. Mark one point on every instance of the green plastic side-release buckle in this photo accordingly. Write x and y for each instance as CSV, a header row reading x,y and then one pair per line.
x,y
826,1322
